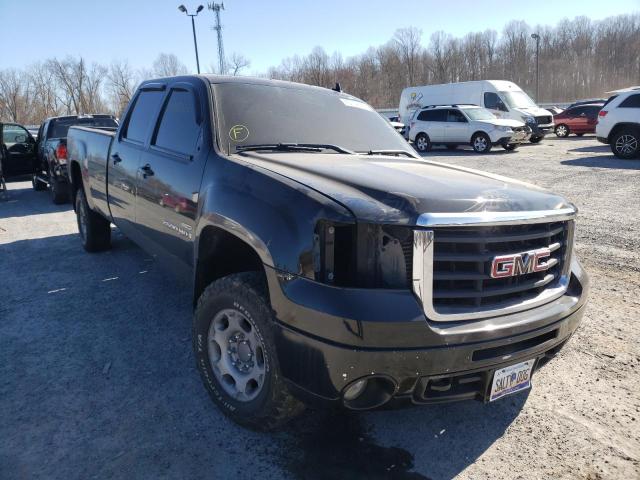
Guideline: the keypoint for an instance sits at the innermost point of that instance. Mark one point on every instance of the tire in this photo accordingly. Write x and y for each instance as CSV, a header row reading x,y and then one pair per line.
x,y
452,147
37,185
562,130
59,194
536,139
94,229
233,305
579,134
625,143
509,147
481,143
422,142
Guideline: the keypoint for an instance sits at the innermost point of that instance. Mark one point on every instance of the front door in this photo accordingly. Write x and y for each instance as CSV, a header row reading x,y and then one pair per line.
x,y
169,176
19,150
124,159
457,127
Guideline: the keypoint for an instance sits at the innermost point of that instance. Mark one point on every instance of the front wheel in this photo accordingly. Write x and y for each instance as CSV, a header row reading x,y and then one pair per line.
x,y
94,229
235,352
509,147
481,143
562,131
536,139
625,144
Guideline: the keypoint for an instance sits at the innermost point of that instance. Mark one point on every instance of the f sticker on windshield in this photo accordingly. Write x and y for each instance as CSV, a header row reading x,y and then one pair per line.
x,y
238,133
354,103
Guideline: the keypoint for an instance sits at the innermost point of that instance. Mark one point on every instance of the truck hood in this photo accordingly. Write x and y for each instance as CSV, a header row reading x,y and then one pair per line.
x,y
396,190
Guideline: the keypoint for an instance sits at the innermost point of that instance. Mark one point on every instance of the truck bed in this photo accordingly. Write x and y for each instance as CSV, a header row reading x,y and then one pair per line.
x,y
90,146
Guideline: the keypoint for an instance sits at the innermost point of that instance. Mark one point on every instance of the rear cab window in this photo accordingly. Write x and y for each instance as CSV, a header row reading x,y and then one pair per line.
x,y
143,113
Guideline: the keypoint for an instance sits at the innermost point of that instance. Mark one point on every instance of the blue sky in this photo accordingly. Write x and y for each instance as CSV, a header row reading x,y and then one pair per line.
x,y
263,31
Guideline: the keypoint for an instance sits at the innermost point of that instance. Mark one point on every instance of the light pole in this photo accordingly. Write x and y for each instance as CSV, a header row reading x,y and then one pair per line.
x,y
183,9
536,37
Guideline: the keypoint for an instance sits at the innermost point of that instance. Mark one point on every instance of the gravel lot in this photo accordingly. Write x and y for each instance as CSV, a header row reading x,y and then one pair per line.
x,y
97,378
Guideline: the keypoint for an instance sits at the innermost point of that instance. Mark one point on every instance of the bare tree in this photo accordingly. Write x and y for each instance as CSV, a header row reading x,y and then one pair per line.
x,y
122,82
407,41
237,63
168,65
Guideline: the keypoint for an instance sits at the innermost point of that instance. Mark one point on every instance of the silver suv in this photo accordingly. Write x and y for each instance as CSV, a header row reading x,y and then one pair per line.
x,y
619,123
454,125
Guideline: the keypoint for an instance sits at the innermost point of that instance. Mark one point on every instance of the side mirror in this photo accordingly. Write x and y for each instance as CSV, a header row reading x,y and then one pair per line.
x,y
21,138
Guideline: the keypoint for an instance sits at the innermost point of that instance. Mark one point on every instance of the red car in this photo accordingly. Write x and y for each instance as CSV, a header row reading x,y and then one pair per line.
x,y
579,120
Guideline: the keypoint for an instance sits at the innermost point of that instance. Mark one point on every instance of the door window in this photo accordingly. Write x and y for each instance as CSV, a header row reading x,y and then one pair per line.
x,y
178,130
142,115
12,134
433,116
456,116
632,101
493,101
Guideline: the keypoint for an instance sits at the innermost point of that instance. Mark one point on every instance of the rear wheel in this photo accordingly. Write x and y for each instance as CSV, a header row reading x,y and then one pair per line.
x,y
481,143
422,142
94,229
235,352
625,143
536,139
562,130
579,134
509,146
58,190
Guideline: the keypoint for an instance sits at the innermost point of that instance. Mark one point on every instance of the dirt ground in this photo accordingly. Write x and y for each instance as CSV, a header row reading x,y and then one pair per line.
x,y
97,378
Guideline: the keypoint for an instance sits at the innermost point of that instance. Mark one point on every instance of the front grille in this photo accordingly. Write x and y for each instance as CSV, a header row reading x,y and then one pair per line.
x,y
462,258
543,120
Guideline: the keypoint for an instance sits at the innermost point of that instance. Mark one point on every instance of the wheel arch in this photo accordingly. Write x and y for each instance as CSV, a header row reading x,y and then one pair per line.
x,y
619,126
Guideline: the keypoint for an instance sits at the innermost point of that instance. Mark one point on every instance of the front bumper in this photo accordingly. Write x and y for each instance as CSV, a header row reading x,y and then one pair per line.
x,y
329,337
541,130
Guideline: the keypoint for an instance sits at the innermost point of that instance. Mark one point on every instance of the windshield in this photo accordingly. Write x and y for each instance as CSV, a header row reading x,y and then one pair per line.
x,y
250,114
479,114
517,99
61,127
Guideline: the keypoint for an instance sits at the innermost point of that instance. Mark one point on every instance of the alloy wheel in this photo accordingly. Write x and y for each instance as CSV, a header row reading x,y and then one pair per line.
x,y
236,355
626,144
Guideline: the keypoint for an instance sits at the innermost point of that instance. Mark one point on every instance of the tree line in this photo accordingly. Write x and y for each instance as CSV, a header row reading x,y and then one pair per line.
x,y
579,58
72,85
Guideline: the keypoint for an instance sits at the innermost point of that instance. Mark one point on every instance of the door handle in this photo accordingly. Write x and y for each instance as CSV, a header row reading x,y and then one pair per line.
x,y
116,158
146,171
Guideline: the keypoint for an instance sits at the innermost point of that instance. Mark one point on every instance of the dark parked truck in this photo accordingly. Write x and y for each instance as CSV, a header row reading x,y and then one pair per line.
x,y
51,165
329,263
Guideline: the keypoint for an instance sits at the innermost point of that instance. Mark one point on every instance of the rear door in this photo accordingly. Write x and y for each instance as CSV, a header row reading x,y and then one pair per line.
x,y
19,149
432,122
577,119
456,129
592,117
125,153
170,173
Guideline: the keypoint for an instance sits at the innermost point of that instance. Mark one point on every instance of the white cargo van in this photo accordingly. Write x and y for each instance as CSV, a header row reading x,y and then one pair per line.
x,y
504,99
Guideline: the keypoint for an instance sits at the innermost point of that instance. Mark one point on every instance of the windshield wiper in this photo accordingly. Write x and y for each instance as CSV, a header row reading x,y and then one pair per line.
x,y
389,152
293,147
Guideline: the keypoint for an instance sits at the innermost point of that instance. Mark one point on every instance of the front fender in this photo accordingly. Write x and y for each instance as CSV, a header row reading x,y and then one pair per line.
x,y
274,214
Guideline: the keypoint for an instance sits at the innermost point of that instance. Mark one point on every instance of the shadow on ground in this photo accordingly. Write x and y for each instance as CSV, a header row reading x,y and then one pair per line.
x,y
604,162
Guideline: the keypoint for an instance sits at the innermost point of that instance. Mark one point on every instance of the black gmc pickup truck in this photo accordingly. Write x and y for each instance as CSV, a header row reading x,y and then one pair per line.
x,y
330,264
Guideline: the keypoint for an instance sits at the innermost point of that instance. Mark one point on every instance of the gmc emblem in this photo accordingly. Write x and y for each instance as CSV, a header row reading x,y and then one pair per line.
x,y
520,263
